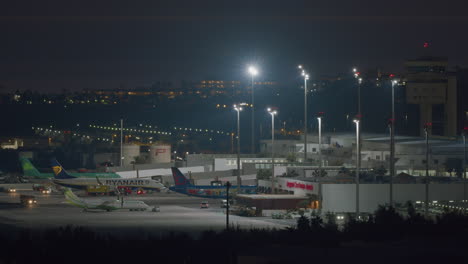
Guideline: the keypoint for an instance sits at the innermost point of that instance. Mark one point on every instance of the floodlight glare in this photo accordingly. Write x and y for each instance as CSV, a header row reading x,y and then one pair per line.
x,y
253,71
272,112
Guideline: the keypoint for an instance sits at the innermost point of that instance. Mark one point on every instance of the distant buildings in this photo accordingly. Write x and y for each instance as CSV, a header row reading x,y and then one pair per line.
x,y
434,89
160,90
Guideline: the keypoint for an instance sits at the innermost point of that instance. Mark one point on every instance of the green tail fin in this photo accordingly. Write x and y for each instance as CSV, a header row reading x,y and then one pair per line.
x,y
29,169
73,199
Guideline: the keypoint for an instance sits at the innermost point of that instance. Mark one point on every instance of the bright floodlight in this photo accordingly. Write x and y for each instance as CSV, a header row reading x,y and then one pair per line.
x,y
253,70
354,70
300,66
237,108
356,121
395,81
272,112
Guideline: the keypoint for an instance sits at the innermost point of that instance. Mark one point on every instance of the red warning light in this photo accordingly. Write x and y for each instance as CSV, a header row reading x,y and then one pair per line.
x,y
426,44
391,75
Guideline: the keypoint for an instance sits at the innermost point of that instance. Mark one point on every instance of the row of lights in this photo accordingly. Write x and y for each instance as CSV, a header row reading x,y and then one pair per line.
x,y
74,134
225,106
162,132
132,130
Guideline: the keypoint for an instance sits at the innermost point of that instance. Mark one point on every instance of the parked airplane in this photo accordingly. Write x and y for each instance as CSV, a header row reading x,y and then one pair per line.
x,y
107,205
64,179
183,185
30,171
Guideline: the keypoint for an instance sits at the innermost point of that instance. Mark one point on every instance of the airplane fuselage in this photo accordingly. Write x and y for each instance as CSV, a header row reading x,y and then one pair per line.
x,y
214,192
134,183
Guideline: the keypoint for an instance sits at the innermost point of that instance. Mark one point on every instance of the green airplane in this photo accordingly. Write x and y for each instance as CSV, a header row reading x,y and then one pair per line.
x,y
106,205
30,171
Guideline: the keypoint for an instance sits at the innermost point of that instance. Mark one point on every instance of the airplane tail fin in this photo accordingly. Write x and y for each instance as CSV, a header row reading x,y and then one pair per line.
x,y
28,168
59,171
73,199
179,178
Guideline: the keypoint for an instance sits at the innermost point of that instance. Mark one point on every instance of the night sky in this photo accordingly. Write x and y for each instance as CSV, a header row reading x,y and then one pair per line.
x,y
55,45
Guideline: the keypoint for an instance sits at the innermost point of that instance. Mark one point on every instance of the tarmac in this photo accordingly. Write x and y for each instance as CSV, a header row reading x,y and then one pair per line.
x,y
178,213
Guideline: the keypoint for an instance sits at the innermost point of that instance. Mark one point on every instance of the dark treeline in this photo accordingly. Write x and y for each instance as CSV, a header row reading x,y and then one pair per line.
x,y
386,237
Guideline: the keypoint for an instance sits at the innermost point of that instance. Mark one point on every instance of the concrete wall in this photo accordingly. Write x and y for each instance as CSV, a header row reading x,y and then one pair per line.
x,y
222,164
208,159
160,153
342,197
311,147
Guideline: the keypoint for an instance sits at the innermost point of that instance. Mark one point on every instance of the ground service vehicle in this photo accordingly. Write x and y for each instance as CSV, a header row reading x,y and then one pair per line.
x,y
125,190
46,191
42,188
204,204
224,203
38,187
99,190
28,200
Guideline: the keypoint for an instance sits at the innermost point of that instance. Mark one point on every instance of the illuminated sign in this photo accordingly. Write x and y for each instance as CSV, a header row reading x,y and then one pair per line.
x,y
297,185
127,182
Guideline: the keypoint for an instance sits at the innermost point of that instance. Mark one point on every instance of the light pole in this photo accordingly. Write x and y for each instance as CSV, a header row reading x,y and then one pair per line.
x,y
121,142
253,71
358,164
306,77
319,118
426,203
392,143
272,113
465,131
232,142
228,185
356,75
238,109
358,139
